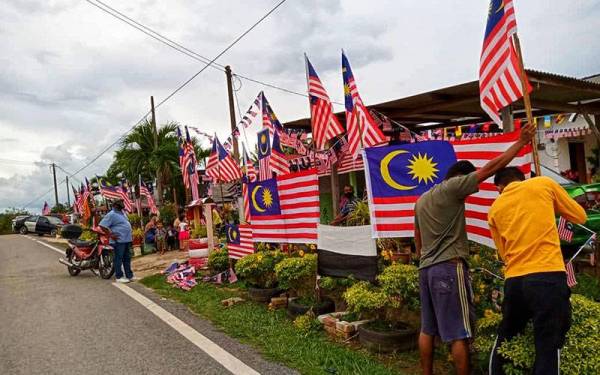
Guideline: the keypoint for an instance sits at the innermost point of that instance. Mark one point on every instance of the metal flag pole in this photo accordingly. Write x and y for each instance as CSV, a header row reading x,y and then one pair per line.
x,y
582,247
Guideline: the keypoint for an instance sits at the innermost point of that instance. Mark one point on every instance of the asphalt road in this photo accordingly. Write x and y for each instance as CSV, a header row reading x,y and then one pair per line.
x,y
52,323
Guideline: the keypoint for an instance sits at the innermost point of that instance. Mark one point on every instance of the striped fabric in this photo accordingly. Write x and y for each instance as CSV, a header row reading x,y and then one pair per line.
x,y
325,124
499,72
565,230
278,162
571,280
362,128
300,211
346,164
244,246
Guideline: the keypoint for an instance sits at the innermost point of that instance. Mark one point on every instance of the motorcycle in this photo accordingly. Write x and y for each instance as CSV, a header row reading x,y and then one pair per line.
x,y
96,256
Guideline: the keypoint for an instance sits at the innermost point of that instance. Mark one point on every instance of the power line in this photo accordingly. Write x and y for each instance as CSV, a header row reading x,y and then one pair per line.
x,y
182,49
179,88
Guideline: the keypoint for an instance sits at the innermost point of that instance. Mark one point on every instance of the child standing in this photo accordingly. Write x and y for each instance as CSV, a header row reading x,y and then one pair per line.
x,y
161,235
171,237
184,233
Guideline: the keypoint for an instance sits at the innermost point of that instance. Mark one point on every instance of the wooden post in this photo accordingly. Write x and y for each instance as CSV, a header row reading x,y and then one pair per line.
x,y
55,186
236,152
335,189
68,194
508,123
209,227
527,102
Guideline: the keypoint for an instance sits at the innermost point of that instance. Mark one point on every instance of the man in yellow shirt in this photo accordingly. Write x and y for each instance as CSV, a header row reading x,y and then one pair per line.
x,y
523,224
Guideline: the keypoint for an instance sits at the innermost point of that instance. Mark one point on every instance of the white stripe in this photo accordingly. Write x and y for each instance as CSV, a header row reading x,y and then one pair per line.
x,y
217,353
299,201
395,220
481,239
391,233
301,210
558,361
492,356
478,223
477,208
394,207
50,246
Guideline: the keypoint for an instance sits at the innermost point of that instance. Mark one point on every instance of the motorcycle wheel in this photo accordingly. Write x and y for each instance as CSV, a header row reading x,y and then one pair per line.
x,y
72,270
106,268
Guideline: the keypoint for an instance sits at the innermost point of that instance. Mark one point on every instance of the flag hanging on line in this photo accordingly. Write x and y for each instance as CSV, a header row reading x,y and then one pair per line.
x,y
565,230
396,177
362,128
264,155
499,71
249,170
46,209
239,240
146,193
325,124
285,209
278,163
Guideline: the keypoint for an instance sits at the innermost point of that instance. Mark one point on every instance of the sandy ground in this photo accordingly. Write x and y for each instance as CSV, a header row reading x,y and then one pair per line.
x,y
142,265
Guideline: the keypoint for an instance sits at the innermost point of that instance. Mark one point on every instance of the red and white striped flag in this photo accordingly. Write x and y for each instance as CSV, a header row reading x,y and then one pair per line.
x,y
146,193
46,209
362,128
565,230
264,155
278,163
246,202
499,71
239,240
221,165
325,124
285,209
571,280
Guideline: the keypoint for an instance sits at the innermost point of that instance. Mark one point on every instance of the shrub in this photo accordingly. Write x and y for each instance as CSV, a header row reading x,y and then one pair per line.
x,y
587,286
218,260
366,300
6,219
298,274
307,323
199,232
138,235
360,214
400,284
259,269
580,355
134,219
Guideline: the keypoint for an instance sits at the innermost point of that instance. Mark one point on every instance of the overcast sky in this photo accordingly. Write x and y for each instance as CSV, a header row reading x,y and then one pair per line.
x,y
73,78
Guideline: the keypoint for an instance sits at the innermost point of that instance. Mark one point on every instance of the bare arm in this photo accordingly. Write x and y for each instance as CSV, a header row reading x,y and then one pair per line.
x,y
494,165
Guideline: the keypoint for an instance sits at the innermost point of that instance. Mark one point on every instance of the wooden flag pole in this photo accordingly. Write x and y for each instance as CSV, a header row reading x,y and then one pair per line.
x,y
527,102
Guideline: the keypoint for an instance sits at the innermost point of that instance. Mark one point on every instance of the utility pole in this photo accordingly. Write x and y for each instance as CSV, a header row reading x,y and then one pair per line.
x,y
68,197
159,187
236,152
55,187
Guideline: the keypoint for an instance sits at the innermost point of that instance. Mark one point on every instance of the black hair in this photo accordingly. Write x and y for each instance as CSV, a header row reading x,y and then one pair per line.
x,y
507,175
460,168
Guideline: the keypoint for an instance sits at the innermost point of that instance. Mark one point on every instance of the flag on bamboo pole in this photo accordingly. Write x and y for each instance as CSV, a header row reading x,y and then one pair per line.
x,y
264,155
76,209
46,209
325,124
239,240
499,71
181,154
286,208
221,166
144,191
278,162
362,128
189,164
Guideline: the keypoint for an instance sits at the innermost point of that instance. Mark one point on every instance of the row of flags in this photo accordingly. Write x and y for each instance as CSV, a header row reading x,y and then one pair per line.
x,y
187,163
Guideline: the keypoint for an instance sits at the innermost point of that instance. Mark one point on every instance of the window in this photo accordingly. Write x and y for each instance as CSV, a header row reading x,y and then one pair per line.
x,y
33,218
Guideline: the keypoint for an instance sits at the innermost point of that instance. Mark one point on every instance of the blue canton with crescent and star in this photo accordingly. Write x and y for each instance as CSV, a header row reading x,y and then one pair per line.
x,y
264,198
408,169
233,234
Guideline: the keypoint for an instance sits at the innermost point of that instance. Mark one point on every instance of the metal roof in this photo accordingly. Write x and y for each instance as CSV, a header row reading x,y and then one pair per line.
x,y
459,104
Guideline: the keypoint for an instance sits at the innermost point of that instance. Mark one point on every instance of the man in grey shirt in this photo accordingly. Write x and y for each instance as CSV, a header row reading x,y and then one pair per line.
x,y
442,245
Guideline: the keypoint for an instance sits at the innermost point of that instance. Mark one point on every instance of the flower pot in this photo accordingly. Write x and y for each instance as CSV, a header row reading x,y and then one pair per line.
x,y
400,339
295,309
137,250
262,295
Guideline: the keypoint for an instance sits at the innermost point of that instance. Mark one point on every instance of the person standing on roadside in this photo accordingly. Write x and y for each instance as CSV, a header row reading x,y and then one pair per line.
x,y
523,224
117,224
441,243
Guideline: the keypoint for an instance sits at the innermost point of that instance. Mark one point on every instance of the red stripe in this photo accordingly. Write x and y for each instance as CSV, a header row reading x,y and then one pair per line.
x,y
480,201
303,215
394,227
476,215
401,213
478,230
304,194
395,200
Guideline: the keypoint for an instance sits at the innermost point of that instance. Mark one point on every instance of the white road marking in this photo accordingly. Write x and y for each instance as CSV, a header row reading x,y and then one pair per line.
x,y
49,246
219,354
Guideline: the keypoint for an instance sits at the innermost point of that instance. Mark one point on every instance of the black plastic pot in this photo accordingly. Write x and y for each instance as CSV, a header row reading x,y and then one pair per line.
x,y
262,295
295,309
401,339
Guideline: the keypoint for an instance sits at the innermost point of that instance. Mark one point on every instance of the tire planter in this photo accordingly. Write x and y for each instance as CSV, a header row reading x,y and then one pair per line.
x,y
296,309
262,295
386,342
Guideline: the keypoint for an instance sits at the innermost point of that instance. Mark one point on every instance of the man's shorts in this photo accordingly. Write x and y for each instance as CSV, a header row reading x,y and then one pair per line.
x,y
447,301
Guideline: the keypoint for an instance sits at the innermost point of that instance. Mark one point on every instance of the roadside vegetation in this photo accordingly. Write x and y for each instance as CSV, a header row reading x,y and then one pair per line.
x,y
6,218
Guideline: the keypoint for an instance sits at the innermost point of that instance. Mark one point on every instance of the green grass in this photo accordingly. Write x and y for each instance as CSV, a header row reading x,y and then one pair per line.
x,y
273,334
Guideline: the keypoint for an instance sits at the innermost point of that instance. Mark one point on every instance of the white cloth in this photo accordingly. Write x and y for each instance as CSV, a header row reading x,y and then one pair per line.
x,y
346,240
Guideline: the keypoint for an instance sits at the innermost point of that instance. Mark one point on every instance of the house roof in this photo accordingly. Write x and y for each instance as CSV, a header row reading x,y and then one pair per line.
x,y
459,104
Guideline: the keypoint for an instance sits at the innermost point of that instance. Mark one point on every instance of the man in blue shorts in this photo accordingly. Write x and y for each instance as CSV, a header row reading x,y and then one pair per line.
x,y
442,245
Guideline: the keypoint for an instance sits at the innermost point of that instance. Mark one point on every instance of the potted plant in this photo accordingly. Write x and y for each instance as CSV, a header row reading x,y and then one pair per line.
x,y
360,214
137,239
300,275
392,306
258,270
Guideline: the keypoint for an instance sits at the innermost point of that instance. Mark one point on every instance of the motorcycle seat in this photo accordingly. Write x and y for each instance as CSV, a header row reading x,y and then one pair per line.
x,y
80,243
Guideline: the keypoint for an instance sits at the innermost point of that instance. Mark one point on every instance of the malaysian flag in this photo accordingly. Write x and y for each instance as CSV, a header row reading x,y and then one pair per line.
x,y
146,193
565,230
249,170
125,197
269,118
109,192
46,209
362,128
285,209
499,71
181,154
278,163
325,125
264,155
571,280
76,200
221,165
254,113
346,164
190,172
239,240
